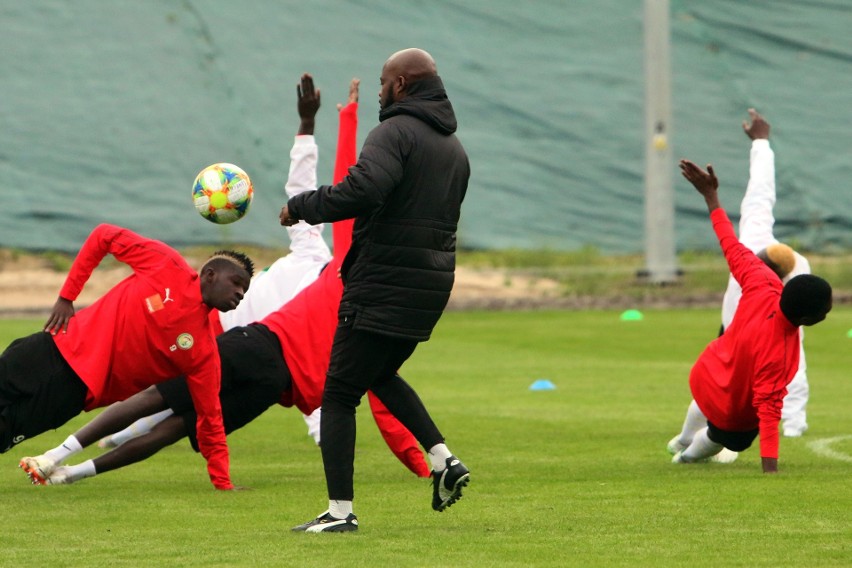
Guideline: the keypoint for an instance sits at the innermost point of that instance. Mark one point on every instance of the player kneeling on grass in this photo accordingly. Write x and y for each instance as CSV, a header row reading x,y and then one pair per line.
x,y
739,382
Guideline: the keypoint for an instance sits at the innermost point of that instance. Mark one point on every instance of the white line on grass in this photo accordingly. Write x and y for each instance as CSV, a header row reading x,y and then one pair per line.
x,y
821,448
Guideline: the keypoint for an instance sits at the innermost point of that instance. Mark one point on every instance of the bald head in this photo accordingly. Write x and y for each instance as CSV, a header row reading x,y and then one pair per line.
x,y
413,64
400,70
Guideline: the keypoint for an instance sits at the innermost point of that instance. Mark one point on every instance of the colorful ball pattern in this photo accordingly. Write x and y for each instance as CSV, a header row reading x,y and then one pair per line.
x,y
222,193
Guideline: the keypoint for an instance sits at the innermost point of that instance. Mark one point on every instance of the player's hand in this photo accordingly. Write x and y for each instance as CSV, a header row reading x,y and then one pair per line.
x,y
705,182
308,103
60,315
354,86
285,218
758,128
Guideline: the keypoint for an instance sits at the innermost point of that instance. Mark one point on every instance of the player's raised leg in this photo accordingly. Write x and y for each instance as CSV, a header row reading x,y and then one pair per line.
x,y
449,474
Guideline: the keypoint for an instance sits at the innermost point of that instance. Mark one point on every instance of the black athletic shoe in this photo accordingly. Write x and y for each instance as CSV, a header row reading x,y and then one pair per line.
x,y
327,523
447,485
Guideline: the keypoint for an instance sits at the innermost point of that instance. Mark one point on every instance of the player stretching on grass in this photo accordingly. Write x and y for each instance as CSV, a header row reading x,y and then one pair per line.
x,y
740,379
756,232
151,326
254,370
308,255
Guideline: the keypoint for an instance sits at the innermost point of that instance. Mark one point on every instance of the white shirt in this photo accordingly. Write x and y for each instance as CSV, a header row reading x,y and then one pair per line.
x,y
286,277
757,221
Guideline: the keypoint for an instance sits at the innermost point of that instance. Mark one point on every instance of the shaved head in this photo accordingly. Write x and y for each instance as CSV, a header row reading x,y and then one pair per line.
x,y
412,63
400,70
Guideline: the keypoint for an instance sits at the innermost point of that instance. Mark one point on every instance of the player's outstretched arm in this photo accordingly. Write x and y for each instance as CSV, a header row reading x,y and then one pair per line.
x,y
705,182
308,103
757,128
756,210
354,87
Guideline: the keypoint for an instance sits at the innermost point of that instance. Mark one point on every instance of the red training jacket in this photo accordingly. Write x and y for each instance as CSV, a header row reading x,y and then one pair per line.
x,y
150,327
741,378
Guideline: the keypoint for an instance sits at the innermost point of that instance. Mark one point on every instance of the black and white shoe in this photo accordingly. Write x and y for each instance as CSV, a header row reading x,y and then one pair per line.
x,y
327,523
447,484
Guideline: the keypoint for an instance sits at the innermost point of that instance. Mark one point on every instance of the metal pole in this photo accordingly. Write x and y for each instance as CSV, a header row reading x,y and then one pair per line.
x,y
660,255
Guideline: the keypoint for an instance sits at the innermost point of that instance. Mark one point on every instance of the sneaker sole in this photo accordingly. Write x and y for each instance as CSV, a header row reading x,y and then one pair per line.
x,y
33,472
456,494
334,529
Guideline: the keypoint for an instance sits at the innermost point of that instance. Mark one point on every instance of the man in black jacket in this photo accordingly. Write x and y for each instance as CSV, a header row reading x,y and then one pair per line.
x,y
405,193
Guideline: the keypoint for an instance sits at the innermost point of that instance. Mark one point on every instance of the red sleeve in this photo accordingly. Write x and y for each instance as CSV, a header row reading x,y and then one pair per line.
x,y
767,401
347,155
398,438
138,252
747,269
204,382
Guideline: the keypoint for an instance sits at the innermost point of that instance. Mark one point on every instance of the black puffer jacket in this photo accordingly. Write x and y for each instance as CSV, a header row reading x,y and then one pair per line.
x,y
405,193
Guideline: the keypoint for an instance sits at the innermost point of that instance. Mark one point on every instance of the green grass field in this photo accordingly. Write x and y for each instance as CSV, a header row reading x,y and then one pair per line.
x,y
576,476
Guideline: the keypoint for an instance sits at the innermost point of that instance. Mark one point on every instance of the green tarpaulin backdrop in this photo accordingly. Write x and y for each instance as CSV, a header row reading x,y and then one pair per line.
x,y
109,109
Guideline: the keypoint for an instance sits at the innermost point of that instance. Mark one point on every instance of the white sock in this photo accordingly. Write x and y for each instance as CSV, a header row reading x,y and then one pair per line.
x,y
65,450
438,455
339,509
138,428
702,447
81,471
694,421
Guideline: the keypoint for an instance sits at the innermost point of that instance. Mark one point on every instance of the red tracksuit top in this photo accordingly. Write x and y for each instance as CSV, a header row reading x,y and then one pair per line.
x,y
740,380
305,325
151,327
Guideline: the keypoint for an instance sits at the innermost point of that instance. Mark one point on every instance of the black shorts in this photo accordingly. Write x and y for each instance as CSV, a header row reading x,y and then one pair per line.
x,y
734,441
254,374
39,391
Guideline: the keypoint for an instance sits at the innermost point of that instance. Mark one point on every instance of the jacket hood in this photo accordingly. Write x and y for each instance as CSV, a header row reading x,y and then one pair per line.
x,y
428,101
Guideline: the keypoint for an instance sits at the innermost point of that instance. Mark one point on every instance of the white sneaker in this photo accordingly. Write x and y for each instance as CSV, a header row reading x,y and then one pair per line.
x,y
327,523
794,431
38,469
725,456
674,446
678,457
60,476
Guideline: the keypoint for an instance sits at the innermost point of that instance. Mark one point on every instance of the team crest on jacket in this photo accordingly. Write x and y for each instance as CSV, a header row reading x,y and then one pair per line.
x,y
185,341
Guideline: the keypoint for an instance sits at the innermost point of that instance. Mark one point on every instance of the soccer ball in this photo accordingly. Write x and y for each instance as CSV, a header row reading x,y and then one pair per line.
x,y
222,193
